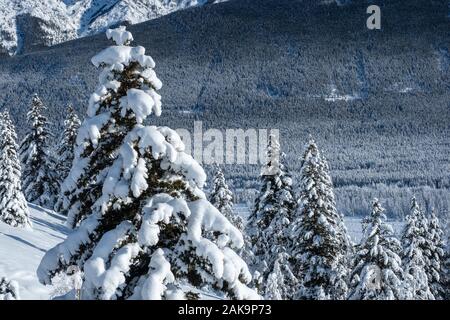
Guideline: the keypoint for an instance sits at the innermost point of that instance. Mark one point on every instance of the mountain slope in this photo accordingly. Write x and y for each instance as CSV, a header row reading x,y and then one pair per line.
x,y
376,101
29,24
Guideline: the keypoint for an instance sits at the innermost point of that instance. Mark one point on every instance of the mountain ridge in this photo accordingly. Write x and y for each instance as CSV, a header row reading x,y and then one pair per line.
x,y
29,24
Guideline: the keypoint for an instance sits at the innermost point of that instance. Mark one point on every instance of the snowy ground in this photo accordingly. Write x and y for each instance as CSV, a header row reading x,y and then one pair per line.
x,y
21,250
354,227
353,224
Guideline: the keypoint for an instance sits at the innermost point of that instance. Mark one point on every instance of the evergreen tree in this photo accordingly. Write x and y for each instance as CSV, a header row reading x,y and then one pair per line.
x,y
39,178
377,272
65,153
281,282
9,290
413,258
13,206
322,247
270,219
446,271
144,229
221,197
435,252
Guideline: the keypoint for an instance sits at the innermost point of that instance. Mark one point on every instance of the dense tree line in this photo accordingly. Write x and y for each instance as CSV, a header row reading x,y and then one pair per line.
x,y
371,140
143,227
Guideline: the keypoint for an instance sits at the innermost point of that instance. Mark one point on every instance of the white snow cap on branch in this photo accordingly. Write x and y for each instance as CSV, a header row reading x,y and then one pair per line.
x,y
122,55
140,103
119,35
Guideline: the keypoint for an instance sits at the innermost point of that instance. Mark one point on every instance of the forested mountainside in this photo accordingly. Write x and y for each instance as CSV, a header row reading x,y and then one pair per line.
x,y
377,102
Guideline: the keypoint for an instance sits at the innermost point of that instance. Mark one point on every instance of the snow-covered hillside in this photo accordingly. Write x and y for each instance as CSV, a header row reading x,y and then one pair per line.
x,y
21,250
28,23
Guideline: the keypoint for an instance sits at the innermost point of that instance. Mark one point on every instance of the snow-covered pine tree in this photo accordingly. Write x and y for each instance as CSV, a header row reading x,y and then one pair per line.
x,y
435,252
39,183
221,197
142,218
281,282
446,280
65,153
413,258
377,272
268,223
13,206
321,246
9,290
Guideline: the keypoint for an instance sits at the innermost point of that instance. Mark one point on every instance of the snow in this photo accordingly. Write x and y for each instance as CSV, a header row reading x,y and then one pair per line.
x,y
21,250
139,182
334,96
67,20
13,206
208,218
125,178
353,224
119,35
155,212
90,129
9,290
140,102
109,277
159,274
354,227
64,252
111,55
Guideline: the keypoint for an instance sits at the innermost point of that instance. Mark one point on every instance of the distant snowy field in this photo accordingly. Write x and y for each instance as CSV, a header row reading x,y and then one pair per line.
x,y
354,227
353,224
21,250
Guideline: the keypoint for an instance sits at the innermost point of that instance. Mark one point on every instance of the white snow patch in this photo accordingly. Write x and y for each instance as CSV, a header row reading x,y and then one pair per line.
x,y
21,250
334,96
119,35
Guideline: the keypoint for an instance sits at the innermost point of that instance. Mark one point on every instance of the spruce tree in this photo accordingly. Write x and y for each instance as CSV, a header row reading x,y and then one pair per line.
x,y
446,271
413,258
144,229
435,252
377,271
268,224
321,245
65,153
281,282
39,183
221,197
9,290
13,206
